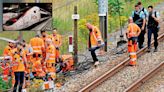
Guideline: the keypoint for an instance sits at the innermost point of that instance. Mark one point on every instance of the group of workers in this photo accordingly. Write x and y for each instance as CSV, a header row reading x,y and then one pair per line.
x,y
36,59
140,22
40,56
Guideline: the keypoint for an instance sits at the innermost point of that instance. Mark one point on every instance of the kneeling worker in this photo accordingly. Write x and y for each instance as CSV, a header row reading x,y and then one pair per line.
x,y
132,34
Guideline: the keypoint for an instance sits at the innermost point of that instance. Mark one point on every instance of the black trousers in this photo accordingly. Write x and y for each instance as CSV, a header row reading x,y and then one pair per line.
x,y
93,54
19,79
141,39
153,31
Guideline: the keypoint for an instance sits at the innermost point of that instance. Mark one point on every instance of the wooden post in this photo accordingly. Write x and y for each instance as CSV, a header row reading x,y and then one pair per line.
x,y
75,38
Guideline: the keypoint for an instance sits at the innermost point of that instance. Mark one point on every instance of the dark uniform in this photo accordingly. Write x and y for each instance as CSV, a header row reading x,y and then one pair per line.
x,y
138,17
153,28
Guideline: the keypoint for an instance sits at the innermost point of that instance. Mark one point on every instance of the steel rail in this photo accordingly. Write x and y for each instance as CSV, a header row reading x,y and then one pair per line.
x,y
116,69
144,78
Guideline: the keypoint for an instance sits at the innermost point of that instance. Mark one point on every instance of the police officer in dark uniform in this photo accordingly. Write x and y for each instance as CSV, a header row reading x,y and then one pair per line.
x,y
139,18
153,27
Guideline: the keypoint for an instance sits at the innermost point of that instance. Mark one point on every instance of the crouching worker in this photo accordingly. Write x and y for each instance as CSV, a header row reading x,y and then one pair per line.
x,y
50,59
4,65
37,67
66,63
95,41
132,34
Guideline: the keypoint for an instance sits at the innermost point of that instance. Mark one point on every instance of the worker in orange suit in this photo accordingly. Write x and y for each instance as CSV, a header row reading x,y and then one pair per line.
x,y
37,69
37,45
19,58
5,70
95,41
132,34
44,36
6,65
8,49
29,52
57,41
50,58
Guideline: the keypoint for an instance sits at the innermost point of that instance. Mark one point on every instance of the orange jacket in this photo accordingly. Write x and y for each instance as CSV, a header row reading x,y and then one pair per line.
x,y
28,50
95,37
37,44
50,54
57,40
37,67
19,60
7,51
68,61
133,30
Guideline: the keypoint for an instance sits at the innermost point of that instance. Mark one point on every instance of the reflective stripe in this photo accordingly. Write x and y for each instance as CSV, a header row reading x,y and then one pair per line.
x,y
132,53
51,58
52,54
133,59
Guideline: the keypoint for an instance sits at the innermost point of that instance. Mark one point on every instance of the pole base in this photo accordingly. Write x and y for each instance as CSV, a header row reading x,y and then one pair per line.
x,y
122,41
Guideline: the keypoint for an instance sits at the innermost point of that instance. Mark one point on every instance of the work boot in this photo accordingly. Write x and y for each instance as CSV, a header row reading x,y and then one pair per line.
x,y
148,50
132,63
96,63
141,46
155,50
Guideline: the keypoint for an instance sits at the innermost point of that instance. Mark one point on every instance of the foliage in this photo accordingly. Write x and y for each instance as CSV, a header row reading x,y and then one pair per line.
x,y
36,85
114,6
4,86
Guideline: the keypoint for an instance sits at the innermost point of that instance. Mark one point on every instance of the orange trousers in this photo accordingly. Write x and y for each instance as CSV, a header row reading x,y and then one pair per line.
x,y
132,49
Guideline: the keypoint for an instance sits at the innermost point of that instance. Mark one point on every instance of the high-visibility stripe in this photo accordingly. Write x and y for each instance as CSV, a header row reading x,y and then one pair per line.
x,y
37,51
133,59
51,58
52,54
132,53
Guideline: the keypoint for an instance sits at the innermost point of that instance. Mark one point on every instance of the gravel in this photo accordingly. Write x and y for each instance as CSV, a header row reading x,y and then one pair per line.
x,y
120,81
76,82
155,84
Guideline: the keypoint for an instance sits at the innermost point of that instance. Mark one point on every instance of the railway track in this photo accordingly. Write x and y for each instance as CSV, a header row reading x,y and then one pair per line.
x,y
116,69
144,78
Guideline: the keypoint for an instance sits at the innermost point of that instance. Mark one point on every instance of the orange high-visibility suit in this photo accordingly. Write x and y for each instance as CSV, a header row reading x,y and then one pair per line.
x,y
68,63
18,62
37,45
132,33
37,67
6,71
28,51
57,40
50,58
7,51
95,37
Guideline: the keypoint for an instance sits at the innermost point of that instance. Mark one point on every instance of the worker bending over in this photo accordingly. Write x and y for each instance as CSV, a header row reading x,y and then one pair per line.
x,y
95,41
132,34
